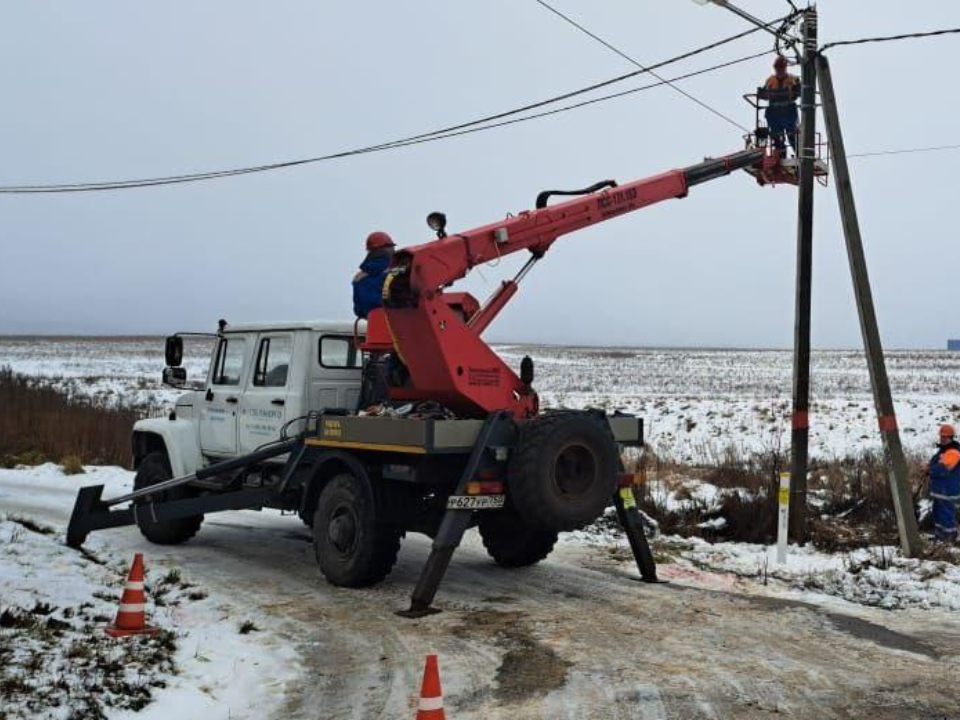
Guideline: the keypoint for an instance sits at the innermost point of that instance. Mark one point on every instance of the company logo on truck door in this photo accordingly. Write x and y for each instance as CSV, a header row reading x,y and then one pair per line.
x,y
616,201
483,377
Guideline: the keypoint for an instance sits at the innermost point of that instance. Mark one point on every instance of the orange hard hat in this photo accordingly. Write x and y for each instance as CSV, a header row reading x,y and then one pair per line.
x,y
377,240
947,430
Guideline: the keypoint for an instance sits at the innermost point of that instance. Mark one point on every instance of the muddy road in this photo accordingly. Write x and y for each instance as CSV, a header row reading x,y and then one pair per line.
x,y
575,637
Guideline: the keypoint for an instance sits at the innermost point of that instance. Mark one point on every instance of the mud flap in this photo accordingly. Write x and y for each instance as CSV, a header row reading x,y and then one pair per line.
x,y
632,523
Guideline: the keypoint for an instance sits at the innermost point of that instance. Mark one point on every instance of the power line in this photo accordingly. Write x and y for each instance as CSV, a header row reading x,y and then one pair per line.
x,y
904,151
629,59
415,140
889,38
442,133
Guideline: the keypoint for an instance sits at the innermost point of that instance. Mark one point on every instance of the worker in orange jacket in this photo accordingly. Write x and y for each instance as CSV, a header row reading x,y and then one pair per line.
x,y
945,484
781,92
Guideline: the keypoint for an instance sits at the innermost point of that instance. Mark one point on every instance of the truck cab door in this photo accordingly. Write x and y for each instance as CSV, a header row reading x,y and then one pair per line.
x,y
272,394
336,382
221,402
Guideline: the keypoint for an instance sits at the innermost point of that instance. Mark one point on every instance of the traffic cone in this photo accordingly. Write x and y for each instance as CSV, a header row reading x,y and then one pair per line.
x,y
431,696
131,618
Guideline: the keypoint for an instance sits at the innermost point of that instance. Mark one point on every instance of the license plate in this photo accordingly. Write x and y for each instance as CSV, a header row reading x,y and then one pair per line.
x,y
476,502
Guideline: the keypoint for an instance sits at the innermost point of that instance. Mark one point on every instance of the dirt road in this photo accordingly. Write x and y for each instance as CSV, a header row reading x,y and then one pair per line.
x,y
576,637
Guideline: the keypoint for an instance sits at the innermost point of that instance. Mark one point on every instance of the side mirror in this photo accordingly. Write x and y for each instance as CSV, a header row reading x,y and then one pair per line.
x,y
174,351
175,377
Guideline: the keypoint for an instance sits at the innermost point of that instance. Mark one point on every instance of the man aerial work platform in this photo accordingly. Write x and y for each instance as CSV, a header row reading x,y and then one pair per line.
x,y
781,92
368,283
944,472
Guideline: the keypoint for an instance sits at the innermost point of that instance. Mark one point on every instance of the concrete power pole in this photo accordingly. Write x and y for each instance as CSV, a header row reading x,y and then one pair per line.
x,y
800,435
886,415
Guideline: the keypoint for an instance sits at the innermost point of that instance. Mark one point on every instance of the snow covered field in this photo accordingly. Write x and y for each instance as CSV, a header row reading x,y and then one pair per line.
x,y
696,403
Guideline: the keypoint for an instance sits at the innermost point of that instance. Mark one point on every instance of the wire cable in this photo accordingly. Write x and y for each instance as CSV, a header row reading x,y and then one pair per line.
x,y
443,133
903,151
458,133
629,59
889,38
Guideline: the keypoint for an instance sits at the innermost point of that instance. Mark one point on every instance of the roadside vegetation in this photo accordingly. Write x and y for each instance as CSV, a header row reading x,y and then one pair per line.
x,y
39,423
729,495
733,497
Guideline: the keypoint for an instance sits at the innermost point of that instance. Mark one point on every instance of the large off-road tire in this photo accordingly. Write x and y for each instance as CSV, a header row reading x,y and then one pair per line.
x,y
563,472
511,542
155,468
352,548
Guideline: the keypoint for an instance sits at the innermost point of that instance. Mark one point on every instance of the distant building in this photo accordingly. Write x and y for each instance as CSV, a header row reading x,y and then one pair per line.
x,y
953,344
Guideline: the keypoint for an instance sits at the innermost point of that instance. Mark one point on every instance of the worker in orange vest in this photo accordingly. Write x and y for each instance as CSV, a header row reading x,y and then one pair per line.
x,y
944,472
781,92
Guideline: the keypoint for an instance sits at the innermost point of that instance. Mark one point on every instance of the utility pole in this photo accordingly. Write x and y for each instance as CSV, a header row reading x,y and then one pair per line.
x,y
886,414
800,423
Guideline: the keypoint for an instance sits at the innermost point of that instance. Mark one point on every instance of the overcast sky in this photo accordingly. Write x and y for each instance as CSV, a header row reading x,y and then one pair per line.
x,y
106,90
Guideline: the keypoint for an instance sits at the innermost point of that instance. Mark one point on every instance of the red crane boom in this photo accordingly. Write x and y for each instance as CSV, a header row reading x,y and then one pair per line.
x,y
436,334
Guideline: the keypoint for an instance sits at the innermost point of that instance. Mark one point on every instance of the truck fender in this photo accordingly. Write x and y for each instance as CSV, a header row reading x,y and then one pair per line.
x,y
178,438
327,466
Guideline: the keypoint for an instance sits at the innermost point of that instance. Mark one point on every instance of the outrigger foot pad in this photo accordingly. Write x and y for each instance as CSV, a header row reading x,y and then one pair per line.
x,y
90,513
417,611
87,501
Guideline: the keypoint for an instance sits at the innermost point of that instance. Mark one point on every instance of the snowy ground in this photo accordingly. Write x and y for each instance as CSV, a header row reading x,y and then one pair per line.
x,y
729,635
697,404
201,667
732,634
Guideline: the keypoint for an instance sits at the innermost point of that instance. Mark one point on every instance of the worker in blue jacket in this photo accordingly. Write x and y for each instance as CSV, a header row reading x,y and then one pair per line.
x,y
781,92
945,484
368,283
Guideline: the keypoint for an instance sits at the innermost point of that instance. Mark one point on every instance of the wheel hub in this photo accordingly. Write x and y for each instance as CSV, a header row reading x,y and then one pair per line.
x,y
575,470
342,530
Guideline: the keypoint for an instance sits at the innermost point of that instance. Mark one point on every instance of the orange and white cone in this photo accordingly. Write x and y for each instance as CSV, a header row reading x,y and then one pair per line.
x,y
131,617
431,696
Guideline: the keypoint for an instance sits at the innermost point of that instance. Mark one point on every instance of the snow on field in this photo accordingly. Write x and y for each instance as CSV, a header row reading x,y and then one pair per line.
x,y
55,659
111,369
875,576
697,404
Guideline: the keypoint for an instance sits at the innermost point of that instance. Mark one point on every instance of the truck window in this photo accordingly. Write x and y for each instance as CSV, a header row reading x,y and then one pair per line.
x,y
229,364
339,352
273,361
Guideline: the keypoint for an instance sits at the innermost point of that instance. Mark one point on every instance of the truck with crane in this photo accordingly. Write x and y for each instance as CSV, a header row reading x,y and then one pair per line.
x,y
407,422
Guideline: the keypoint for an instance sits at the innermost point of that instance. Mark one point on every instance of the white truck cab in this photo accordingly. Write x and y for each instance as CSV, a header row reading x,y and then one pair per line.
x,y
261,376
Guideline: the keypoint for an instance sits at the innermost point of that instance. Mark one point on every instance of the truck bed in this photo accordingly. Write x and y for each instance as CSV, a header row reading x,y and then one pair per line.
x,y
428,436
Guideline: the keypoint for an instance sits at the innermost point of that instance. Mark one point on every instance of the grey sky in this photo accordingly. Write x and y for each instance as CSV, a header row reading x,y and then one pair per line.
x,y
105,90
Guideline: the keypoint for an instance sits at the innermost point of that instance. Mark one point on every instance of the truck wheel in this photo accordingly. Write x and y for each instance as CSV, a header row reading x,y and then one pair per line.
x,y
155,468
353,549
563,472
511,542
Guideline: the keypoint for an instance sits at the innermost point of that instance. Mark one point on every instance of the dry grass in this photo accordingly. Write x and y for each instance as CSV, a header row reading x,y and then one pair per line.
x,y
849,500
40,423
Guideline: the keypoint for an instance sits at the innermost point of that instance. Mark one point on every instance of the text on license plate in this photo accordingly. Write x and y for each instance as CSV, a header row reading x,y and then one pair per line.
x,y
475,502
